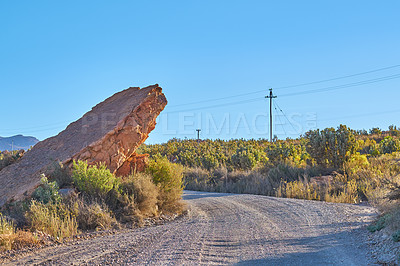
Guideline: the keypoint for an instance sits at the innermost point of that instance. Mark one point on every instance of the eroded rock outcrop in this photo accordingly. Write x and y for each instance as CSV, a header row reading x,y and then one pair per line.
x,y
109,133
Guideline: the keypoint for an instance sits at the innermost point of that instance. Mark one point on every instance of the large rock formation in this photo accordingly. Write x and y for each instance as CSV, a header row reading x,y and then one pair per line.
x,y
109,133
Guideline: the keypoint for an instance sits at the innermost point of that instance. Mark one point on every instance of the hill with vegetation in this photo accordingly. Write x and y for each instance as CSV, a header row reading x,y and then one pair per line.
x,y
18,142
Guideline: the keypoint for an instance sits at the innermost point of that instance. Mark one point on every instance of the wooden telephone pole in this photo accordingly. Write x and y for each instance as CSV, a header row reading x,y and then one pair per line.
x,y
198,134
270,97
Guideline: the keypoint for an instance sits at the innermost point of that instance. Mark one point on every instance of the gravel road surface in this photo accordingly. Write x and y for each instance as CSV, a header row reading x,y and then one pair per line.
x,y
230,229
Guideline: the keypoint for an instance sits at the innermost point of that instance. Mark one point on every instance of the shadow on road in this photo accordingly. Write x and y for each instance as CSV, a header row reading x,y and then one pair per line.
x,y
190,195
330,249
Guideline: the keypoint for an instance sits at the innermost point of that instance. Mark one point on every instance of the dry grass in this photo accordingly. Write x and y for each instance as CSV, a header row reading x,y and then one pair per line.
x,y
50,220
261,181
10,238
91,215
7,233
145,192
23,239
362,179
299,190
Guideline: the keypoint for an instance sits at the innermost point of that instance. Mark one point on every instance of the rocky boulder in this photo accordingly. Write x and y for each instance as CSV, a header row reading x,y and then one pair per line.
x,y
110,133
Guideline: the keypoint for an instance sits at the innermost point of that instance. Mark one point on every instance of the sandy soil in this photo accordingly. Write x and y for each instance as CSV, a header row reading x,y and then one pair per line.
x,y
231,229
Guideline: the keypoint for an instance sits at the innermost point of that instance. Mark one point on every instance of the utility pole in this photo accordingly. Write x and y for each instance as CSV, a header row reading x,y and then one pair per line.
x,y
270,97
198,134
12,145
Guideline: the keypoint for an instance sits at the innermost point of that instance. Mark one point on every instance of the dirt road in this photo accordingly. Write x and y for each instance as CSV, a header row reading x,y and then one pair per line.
x,y
231,229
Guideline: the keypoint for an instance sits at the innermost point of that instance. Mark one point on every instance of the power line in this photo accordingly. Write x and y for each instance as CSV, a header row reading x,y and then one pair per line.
x,y
343,86
361,115
279,118
337,87
342,77
217,99
290,86
36,127
286,117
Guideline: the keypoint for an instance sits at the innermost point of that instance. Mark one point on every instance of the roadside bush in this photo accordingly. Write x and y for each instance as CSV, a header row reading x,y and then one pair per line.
x,y
23,239
144,191
93,216
95,181
168,176
7,233
287,152
54,220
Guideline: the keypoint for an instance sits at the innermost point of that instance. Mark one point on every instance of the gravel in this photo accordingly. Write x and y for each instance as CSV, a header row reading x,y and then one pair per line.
x,y
227,229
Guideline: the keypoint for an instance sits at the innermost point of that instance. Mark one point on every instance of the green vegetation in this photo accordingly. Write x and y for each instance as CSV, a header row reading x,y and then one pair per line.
x,y
330,147
168,177
9,157
94,181
47,192
95,200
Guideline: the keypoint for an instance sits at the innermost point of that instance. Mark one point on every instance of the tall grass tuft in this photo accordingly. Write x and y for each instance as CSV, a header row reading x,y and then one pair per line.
x,y
52,219
7,233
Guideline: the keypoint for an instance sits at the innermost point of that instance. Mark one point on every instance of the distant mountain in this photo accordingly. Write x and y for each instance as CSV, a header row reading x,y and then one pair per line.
x,y
17,142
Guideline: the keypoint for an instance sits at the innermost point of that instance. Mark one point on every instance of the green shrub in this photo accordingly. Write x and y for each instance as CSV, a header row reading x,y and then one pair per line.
x,y
95,181
47,192
168,176
330,147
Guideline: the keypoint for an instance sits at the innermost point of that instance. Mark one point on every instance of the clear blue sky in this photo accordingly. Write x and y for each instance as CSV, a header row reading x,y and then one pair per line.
x,y
60,58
